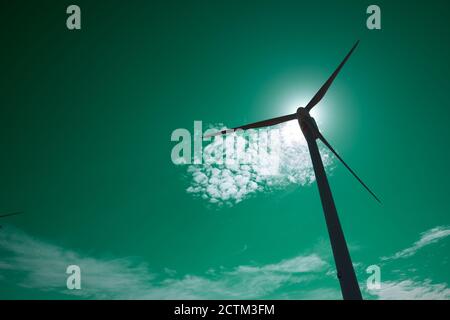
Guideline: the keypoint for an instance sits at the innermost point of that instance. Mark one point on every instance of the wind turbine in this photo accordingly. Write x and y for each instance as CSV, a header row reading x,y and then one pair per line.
x,y
345,272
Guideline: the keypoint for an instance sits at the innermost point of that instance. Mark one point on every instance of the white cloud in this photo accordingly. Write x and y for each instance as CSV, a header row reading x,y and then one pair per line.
x,y
272,159
41,265
426,238
44,265
295,265
412,290
407,286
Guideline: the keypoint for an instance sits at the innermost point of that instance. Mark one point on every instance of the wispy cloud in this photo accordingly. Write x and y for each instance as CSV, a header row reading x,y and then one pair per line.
x,y
37,264
298,264
412,290
232,180
408,285
41,265
426,238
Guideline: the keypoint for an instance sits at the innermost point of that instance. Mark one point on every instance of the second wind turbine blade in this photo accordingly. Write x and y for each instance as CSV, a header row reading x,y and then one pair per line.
x,y
322,138
10,214
254,125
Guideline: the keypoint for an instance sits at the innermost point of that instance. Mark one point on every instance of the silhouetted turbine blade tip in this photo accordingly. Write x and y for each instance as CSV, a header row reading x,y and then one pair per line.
x,y
256,125
322,138
323,90
218,133
10,214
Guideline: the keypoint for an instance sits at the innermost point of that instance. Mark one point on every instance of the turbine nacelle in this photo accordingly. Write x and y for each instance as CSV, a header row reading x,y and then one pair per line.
x,y
302,112
307,123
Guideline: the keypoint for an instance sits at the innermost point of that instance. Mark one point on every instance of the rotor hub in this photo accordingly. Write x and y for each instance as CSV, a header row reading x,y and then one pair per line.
x,y
302,113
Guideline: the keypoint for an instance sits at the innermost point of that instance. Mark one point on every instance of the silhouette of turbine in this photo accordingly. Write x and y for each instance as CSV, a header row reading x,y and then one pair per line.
x,y
345,272
10,214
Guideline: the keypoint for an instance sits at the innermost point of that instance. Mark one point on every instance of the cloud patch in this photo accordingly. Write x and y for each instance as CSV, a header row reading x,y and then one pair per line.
x,y
42,266
37,264
239,166
412,290
426,238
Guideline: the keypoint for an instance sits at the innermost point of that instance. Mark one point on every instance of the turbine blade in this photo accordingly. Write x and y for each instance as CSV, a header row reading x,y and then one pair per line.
x,y
259,124
10,214
323,90
322,138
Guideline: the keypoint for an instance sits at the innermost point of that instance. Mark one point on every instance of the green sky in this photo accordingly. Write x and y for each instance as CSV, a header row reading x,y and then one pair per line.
x,y
85,127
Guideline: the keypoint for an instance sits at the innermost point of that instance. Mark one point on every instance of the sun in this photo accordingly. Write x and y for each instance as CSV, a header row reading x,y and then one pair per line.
x,y
290,131
291,134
